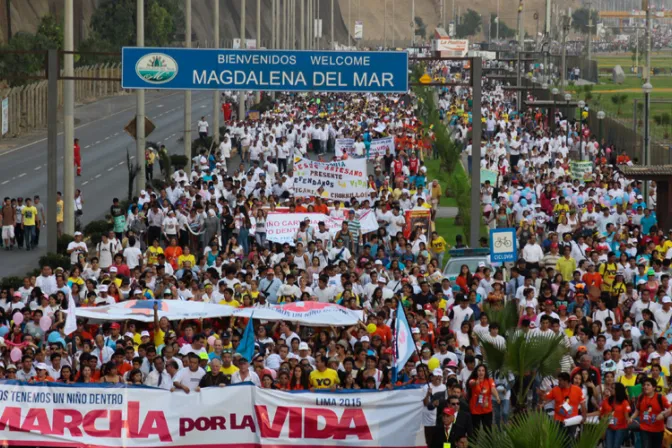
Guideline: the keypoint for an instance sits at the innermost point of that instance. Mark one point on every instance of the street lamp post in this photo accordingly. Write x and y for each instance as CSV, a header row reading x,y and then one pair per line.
x,y
581,105
568,98
554,93
600,119
647,88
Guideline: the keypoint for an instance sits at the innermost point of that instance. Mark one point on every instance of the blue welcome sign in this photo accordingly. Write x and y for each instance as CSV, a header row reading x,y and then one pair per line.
x,y
271,70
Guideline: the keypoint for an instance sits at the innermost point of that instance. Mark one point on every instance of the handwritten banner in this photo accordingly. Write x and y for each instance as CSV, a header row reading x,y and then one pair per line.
x,y
344,146
380,145
490,175
342,180
282,227
582,170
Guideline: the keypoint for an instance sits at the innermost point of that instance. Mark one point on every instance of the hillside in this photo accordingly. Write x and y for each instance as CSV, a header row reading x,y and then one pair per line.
x,y
25,15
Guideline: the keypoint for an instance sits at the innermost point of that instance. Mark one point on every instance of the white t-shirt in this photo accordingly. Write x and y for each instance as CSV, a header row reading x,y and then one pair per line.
x,y
80,248
188,378
132,256
202,126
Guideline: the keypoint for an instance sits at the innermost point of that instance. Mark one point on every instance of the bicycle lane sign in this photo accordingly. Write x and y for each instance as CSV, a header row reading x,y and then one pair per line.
x,y
503,245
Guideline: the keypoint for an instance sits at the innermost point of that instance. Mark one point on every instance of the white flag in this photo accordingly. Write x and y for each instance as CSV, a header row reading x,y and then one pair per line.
x,y
71,319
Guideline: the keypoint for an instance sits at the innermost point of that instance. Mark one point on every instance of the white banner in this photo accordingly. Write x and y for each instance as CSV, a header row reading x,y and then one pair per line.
x,y
312,314
380,145
282,227
90,415
143,310
342,180
344,145
5,116
359,30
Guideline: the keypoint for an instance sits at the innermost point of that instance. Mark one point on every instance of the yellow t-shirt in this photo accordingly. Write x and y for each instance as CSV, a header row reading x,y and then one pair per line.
x,y
153,254
182,258
439,245
233,303
324,380
229,370
59,211
627,382
29,215
159,335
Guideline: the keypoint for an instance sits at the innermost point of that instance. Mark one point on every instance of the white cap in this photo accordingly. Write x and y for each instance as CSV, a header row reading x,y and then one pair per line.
x,y
144,333
378,262
113,269
437,372
128,334
627,326
41,366
77,234
102,288
654,355
445,319
304,346
364,339
415,330
382,280
667,299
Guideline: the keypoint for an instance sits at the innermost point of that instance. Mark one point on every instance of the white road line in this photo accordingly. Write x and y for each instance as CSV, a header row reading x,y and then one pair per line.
x,y
159,105
132,157
5,182
97,176
121,163
98,142
21,175
38,168
85,182
87,146
86,124
110,169
107,138
116,133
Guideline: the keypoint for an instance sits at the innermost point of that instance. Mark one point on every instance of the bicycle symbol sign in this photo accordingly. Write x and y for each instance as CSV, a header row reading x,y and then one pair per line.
x,y
503,247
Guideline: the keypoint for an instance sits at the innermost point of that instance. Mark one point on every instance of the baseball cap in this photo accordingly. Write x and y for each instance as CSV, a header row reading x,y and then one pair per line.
x,y
582,348
413,331
115,325
445,319
102,288
41,366
448,410
653,355
627,326
113,269
11,367
364,339
304,346
667,299
128,334
144,333
451,363
437,372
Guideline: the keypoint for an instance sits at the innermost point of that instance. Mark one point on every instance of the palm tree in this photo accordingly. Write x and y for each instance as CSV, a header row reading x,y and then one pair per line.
x,y
525,355
537,430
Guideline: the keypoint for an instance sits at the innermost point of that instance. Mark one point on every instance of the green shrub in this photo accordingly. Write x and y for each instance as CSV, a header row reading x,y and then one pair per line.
x,y
198,144
178,161
14,282
62,243
55,261
95,229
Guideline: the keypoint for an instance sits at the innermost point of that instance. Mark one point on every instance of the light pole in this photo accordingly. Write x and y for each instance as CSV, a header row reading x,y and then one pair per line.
x,y
554,93
600,119
568,98
581,105
647,88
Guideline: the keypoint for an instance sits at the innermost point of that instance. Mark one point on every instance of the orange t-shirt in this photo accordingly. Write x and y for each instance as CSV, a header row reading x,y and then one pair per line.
x,y
385,333
567,401
481,396
648,411
619,419
123,368
322,208
594,279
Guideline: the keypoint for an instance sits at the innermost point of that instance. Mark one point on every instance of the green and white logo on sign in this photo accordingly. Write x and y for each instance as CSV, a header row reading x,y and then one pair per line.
x,y
156,68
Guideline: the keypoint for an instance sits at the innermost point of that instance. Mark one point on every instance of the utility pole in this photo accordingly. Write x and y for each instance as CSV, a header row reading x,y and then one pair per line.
x,y
590,39
215,94
333,43
521,48
385,24
412,23
475,225
187,93
243,45
393,10
318,28
52,150
498,19
258,94
273,24
302,24
140,104
350,26
565,30
69,124
647,88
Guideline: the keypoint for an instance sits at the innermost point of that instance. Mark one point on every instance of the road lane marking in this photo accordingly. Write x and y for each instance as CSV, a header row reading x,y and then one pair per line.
x,y
87,146
5,182
110,169
85,182
38,168
121,163
97,176
21,175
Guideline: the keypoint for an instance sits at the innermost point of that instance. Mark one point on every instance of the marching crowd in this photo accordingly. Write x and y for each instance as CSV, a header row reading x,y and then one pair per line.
x,y
593,267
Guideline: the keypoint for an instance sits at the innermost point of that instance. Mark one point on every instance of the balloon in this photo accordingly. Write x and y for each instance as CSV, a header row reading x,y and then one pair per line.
x,y
45,323
371,328
4,330
17,318
433,364
523,202
15,354
211,341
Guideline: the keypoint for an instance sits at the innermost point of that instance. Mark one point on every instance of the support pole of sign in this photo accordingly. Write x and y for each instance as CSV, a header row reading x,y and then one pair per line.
x,y
302,24
393,11
243,44
273,24
332,44
293,24
258,94
69,124
140,104
52,149
350,27
215,94
475,225
318,27
309,25
187,93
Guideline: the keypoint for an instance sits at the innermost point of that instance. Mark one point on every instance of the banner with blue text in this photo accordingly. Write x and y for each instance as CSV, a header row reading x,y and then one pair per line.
x,y
277,70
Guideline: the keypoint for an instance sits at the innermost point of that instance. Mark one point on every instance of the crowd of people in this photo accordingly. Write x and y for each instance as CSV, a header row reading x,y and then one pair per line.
x,y
593,266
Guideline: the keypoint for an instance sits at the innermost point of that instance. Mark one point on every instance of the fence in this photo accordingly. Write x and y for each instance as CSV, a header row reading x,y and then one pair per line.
x,y
28,104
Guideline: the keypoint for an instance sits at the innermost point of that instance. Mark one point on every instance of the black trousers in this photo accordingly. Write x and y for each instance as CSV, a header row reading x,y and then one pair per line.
x,y
482,420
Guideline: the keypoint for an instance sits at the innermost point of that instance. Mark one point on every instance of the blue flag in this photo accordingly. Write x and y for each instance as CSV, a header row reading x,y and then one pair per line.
x,y
403,346
246,346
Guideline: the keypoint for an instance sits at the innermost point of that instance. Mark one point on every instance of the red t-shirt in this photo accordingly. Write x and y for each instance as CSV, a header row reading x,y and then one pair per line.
x,y
619,419
648,411
567,401
481,396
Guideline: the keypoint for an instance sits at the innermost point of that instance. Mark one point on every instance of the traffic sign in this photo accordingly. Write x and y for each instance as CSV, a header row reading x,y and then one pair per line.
x,y
131,128
270,70
503,245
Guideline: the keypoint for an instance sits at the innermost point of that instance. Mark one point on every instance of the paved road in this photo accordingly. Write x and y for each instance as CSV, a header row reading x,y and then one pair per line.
x,y
99,127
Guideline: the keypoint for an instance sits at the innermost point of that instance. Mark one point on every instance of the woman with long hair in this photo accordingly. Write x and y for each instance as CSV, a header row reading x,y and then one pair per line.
x,y
463,280
299,379
480,391
617,407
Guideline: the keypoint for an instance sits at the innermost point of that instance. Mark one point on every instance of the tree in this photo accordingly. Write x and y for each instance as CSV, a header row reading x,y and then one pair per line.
x,y
420,27
505,31
619,99
470,24
537,430
52,30
580,20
